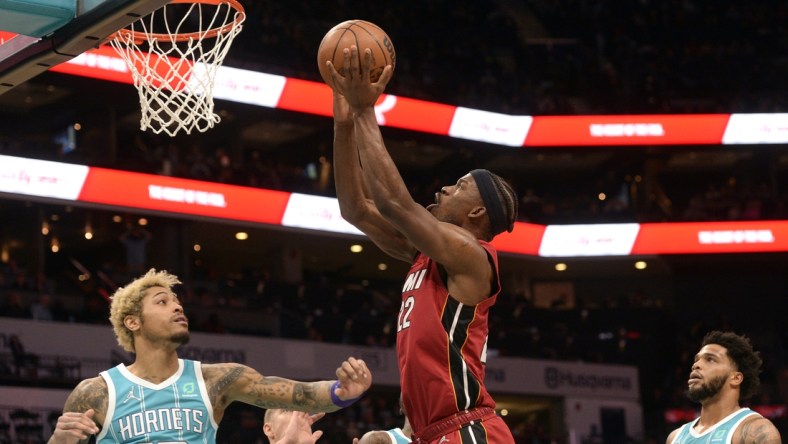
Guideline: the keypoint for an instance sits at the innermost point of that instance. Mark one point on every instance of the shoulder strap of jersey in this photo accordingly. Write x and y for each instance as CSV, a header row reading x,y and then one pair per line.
x,y
111,400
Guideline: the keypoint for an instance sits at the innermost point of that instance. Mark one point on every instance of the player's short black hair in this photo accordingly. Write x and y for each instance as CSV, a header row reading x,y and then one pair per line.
x,y
740,351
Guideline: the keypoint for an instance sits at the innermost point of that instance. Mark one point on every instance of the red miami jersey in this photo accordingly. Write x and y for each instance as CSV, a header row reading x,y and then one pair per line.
x,y
441,345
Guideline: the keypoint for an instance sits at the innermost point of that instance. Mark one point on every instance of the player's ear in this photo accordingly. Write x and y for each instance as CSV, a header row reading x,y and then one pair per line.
x,y
737,378
477,212
132,322
268,431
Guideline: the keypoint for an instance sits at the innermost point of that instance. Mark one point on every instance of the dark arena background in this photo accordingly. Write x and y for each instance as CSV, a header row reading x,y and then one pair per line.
x,y
648,143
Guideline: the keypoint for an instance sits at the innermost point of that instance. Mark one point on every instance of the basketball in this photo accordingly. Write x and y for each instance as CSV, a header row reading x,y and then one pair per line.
x,y
364,35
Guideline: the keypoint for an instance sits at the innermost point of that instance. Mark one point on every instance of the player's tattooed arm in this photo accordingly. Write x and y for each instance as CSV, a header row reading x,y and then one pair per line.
x,y
236,382
83,413
759,431
89,394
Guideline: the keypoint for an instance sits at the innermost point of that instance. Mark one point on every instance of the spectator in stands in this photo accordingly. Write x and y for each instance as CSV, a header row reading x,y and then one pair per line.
x,y
22,359
21,281
213,324
43,284
199,168
60,313
13,307
41,310
725,371
594,437
135,239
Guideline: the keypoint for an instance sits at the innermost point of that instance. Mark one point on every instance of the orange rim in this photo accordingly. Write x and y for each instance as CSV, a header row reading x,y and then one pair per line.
x,y
140,37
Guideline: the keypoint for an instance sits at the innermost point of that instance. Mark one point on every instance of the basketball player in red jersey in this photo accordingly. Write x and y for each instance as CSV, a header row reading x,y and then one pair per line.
x,y
453,281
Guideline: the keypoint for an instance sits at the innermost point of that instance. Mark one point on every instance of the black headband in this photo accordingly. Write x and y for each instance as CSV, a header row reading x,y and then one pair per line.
x,y
489,193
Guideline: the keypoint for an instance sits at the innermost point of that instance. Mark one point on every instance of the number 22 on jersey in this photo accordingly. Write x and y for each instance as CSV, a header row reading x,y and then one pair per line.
x,y
413,282
405,309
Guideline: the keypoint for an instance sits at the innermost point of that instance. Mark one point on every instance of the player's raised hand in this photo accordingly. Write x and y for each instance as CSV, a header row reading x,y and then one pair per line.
x,y
356,86
299,429
354,379
73,427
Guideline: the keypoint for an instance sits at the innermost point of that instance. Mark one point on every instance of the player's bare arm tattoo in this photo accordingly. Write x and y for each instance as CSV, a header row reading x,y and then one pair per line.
x,y
304,394
240,383
760,432
90,394
226,380
275,392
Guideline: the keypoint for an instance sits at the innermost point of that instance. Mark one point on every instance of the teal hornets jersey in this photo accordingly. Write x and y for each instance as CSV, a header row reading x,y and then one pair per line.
x,y
174,411
397,437
720,433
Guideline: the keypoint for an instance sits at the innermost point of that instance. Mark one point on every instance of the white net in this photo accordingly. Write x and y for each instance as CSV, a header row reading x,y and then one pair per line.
x,y
174,55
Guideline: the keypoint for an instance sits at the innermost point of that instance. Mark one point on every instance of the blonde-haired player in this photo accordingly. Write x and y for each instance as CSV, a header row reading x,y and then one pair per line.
x,y
162,398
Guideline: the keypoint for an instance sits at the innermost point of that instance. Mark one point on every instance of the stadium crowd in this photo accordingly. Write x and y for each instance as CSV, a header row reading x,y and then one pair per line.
x,y
551,57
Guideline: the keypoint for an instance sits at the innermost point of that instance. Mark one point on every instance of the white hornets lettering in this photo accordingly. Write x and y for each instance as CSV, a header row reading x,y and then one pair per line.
x,y
150,421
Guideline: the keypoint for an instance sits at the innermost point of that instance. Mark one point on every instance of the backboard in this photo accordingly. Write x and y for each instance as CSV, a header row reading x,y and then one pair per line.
x,y
38,34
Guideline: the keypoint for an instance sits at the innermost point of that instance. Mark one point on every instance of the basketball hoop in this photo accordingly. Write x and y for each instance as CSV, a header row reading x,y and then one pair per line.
x,y
174,55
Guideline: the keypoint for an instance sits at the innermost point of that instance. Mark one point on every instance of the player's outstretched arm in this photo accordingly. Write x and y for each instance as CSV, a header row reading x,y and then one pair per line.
x,y
83,412
354,203
236,382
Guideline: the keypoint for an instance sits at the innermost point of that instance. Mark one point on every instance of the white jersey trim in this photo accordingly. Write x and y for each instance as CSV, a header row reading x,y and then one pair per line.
x,y
695,434
690,427
110,406
394,433
147,384
204,393
454,323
